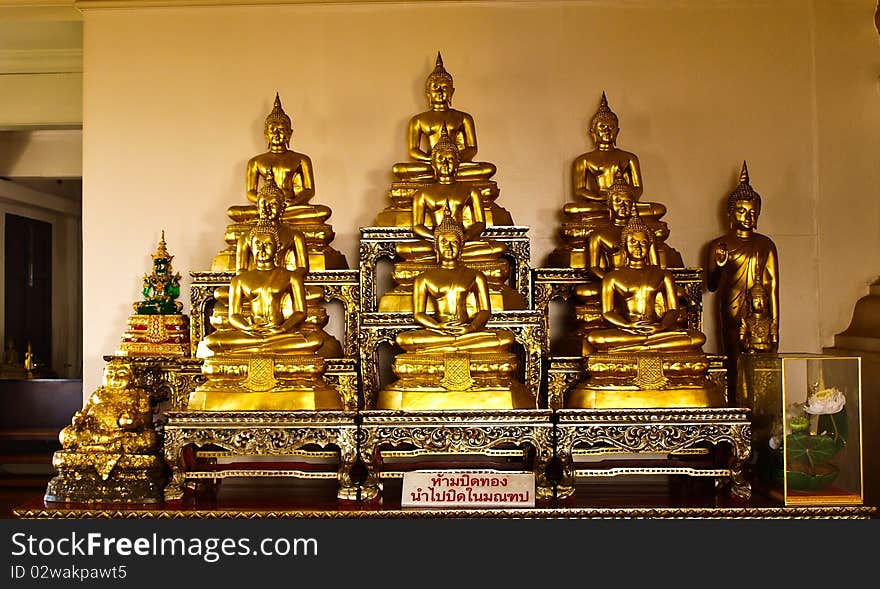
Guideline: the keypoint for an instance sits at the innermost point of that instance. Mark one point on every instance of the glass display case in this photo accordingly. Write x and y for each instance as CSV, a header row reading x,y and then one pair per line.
x,y
806,426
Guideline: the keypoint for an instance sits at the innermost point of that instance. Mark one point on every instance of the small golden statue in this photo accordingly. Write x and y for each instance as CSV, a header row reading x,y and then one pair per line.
x,y
645,357
109,451
756,327
11,367
265,358
424,131
292,172
737,262
157,327
460,200
593,175
454,361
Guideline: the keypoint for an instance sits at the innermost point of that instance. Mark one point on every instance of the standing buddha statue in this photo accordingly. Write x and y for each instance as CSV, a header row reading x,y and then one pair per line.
x,y
453,361
424,132
292,172
738,261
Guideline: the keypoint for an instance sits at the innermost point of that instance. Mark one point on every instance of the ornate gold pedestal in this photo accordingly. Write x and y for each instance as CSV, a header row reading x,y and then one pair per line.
x,y
455,432
456,381
398,213
156,335
646,381
264,383
653,431
89,477
277,434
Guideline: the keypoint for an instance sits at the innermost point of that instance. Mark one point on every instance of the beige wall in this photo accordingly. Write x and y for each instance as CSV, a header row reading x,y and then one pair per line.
x,y
174,100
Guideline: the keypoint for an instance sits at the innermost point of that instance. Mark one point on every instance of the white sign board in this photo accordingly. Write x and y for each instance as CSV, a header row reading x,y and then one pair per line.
x,y
468,489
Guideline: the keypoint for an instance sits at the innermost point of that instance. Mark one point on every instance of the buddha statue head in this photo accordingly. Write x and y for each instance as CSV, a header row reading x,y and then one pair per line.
x,y
265,244
757,300
117,375
621,199
744,204
278,128
270,200
604,126
445,157
448,238
636,240
438,86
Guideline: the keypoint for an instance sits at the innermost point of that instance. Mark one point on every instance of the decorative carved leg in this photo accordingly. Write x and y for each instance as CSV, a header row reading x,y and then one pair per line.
x,y
564,444
171,454
741,487
347,457
543,456
372,461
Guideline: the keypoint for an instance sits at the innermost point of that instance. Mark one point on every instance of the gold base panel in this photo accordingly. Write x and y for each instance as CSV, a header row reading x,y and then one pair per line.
x,y
584,396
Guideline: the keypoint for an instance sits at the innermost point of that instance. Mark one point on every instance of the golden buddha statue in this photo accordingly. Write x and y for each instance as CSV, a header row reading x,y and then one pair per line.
x,y
424,131
593,175
292,173
645,357
291,255
271,206
265,357
756,326
454,361
460,200
737,262
109,451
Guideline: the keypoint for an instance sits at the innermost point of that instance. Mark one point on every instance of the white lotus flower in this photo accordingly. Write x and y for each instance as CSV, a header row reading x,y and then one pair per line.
x,y
825,402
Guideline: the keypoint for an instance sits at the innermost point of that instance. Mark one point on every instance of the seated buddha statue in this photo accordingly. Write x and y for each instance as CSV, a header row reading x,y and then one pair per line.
x,y
117,417
271,206
277,302
424,132
265,357
290,170
292,173
452,306
631,296
644,357
109,452
461,200
594,172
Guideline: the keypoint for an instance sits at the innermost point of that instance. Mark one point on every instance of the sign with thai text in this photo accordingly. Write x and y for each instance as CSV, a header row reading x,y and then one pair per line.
x,y
468,489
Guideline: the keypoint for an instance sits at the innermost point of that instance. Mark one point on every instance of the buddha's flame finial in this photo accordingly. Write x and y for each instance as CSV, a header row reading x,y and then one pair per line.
x,y
278,115
162,250
439,63
604,113
744,174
